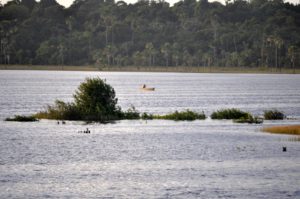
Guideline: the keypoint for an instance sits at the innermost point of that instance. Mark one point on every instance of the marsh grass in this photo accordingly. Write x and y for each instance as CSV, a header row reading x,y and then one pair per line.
x,y
291,130
250,120
130,114
22,118
183,115
229,114
274,115
60,111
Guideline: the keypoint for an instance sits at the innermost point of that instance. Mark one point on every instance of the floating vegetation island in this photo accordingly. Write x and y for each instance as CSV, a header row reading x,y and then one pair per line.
x,y
95,101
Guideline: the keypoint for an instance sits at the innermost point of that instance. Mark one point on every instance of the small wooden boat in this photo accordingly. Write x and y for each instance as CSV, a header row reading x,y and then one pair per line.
x,y
148,89
144,88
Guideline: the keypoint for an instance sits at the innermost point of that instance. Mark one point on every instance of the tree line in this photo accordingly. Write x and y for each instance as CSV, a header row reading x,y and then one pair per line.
x,y
255,33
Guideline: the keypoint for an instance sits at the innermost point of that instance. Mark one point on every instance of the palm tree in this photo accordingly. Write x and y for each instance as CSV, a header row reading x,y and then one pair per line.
x,y
292,55
278,43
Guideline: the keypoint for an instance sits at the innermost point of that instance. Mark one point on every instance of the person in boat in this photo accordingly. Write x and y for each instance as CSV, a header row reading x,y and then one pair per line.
x,y
144,85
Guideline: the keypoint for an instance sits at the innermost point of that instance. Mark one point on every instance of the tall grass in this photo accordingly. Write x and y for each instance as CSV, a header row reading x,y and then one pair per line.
x,y
250,120
229,114
60,111
183,115
22,118
292,130
130,114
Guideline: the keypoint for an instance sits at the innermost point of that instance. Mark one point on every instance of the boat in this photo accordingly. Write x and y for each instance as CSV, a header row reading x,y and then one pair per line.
x,y
145,88
148,89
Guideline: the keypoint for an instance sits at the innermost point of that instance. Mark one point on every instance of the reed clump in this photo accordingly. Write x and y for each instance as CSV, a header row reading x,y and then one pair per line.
x,y
291,130
274,115
22,118
250,120
183,115
130,114
229,114
236,115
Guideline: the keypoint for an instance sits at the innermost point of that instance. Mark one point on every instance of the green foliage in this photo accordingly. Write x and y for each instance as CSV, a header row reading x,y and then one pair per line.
x,y
61,111
131,114
96,100
151,33
250,119
229,114
21,118
184,115
147,116
273,115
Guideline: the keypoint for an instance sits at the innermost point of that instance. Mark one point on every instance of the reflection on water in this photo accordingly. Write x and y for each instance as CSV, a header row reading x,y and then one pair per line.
x,y
153,159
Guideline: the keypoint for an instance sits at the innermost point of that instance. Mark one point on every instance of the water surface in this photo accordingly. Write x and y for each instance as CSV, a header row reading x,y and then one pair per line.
x,y
149,159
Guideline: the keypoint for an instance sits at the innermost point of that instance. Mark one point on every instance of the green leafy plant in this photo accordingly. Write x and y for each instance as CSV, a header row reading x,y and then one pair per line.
x,y
21,118
95,100
184,115
229,114
273,115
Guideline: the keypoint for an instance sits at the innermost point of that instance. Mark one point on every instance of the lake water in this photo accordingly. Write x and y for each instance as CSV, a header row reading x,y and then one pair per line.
x,y
150,159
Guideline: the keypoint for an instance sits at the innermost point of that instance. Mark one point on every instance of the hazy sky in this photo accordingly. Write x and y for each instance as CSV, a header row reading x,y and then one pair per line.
x,y
67,3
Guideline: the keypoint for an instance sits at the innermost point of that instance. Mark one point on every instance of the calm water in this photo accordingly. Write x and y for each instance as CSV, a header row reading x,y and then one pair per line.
x,y
153,159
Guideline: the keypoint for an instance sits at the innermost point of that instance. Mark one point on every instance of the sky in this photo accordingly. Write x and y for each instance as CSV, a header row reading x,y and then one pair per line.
x,y
67,3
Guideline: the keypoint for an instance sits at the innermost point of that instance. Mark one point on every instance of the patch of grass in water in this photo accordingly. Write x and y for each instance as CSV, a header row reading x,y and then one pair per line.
x,y
183,115
250,120
22,118
229,114
274,115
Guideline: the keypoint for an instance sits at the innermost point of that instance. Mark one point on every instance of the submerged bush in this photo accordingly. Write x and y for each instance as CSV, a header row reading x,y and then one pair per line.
x,y
184,115
147,116
130,114
273,115
21,118
229,114
250,120
94,101
60,111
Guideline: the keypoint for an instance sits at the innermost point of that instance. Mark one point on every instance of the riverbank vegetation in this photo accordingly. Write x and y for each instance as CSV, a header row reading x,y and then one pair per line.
x,y
292,129
112,34
177,69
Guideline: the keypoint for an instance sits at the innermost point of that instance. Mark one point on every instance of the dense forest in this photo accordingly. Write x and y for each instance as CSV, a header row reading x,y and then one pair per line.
x,y
256,33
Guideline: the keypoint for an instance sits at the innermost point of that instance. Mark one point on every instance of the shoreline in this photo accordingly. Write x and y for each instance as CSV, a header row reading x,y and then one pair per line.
x,y
170,69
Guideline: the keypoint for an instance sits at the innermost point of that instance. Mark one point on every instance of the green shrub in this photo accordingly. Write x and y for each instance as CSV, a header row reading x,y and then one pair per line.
x,y
184,115
61,111
131,114
147,116
273,115
21,118
250,119
229,114
94,101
